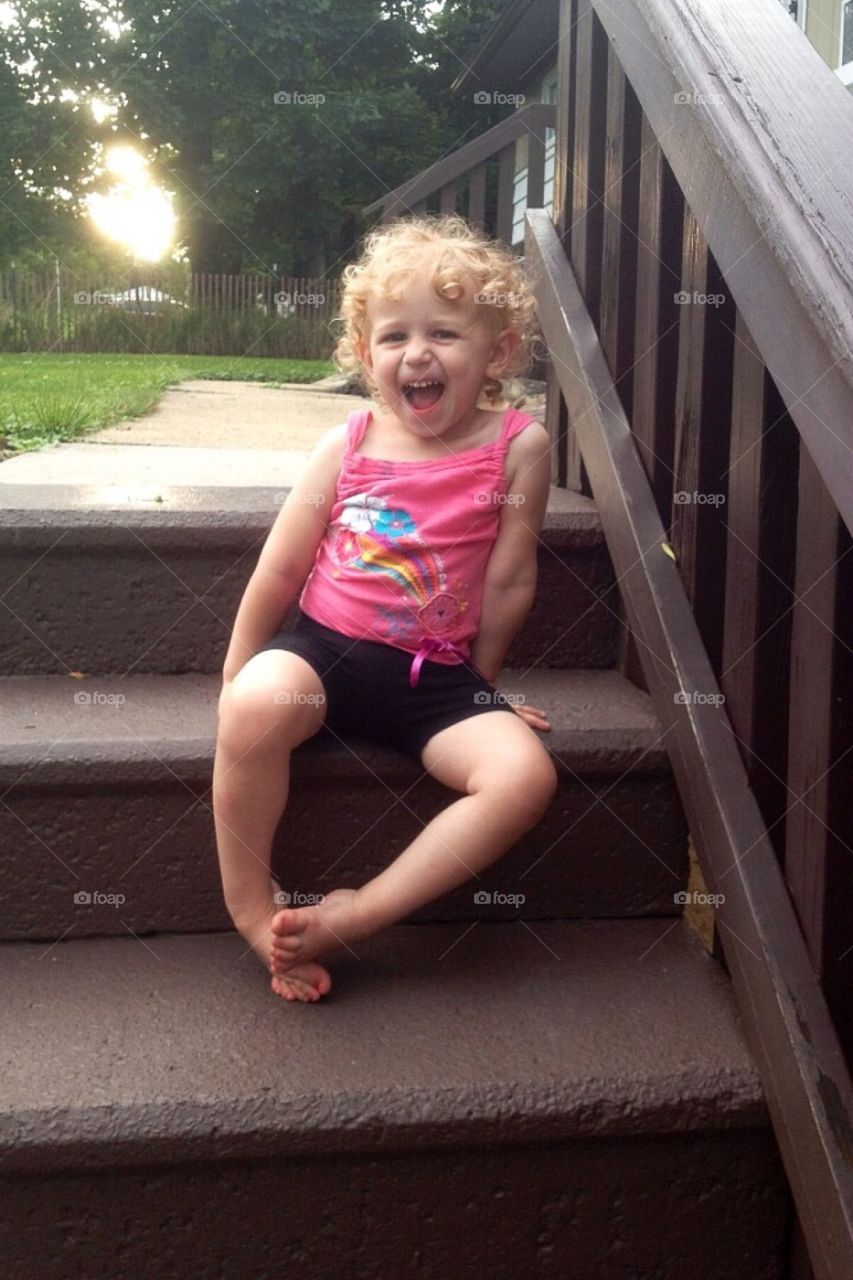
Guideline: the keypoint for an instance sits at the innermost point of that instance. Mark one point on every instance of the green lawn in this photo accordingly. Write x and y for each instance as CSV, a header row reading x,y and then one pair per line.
x,y
48,398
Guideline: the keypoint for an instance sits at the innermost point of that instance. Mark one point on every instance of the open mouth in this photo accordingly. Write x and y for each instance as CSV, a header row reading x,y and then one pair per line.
x,y
423,394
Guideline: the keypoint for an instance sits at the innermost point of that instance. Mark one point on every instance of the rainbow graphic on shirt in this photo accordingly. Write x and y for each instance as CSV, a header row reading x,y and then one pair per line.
x,y
378,538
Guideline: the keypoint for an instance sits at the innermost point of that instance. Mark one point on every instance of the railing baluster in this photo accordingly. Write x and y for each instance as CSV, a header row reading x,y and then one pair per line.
x,y
660,222
447,202
585,240
619,265
477,196
760,518
588,186
814,852
619,241
566,465
535,168
566,117
702,417
506,172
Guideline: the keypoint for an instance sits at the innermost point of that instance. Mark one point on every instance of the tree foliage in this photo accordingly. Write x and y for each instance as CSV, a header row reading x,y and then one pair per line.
x,y
202,91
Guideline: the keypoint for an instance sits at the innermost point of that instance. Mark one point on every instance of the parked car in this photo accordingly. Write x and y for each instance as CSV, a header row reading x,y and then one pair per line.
x,y
144,298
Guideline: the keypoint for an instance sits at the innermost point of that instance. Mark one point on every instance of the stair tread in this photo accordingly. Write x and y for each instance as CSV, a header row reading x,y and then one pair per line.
x,y
81,505
590,710
123,1050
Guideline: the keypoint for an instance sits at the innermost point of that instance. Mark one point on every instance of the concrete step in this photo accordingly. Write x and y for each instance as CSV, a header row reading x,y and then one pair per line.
x,y
467,1101
107,580
106,793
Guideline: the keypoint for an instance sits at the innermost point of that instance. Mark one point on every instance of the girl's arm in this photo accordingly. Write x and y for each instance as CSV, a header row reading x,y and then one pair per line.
x,y
510,582
288,554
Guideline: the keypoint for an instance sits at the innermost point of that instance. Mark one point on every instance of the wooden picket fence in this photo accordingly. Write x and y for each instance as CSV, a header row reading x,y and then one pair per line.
x,y
168,311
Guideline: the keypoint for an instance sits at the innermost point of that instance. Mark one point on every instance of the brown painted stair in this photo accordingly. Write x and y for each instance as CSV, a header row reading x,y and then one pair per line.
x,y
554,1086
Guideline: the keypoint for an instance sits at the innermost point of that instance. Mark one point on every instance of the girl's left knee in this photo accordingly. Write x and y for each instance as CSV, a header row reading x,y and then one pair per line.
x,y
542,780
532,783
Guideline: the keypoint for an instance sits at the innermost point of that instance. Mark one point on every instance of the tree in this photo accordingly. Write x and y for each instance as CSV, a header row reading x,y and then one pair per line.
x,y
270,121
274,124
47,153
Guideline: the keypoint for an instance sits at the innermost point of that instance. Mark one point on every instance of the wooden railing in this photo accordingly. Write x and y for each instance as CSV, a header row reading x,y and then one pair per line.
x,y
477,180
695,294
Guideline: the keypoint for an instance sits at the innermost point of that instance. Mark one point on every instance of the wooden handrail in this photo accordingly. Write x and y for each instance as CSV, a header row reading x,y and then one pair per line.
x,y
785,1016
533,119
766,176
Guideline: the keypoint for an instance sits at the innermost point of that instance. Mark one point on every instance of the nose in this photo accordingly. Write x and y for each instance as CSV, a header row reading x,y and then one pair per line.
x,y
418,349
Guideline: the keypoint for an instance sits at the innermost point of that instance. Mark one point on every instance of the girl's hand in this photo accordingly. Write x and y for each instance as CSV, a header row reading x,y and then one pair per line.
x,y
533,716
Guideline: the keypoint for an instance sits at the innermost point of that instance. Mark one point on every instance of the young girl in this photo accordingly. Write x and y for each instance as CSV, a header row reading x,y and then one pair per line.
x,y
417,530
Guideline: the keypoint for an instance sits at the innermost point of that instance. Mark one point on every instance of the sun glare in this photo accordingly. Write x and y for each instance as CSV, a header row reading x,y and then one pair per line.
x,y
135,211
102,110
128,164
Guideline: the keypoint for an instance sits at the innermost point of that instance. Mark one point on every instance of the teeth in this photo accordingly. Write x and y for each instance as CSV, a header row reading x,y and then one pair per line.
x,y
423,383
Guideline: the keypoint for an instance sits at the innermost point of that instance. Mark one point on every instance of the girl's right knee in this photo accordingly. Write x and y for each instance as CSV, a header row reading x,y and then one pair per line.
x,y
271,703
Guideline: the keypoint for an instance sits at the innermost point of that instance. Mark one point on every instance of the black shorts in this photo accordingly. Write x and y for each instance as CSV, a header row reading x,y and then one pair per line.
x,y
368,694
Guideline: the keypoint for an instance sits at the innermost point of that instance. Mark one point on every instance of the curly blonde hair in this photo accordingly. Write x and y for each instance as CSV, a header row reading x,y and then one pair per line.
x,y
457,254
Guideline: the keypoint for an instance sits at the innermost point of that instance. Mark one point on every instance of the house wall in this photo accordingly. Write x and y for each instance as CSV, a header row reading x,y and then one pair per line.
x,y
822,19
822,23
542,89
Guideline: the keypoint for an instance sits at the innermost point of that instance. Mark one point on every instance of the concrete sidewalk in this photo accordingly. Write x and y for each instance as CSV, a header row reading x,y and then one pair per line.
x,y
200,434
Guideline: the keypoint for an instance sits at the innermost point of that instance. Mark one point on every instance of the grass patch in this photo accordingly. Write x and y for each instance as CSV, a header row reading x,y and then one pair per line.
x,y
45,399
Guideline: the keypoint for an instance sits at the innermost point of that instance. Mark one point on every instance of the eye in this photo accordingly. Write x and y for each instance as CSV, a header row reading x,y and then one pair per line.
x,y
392,337
446,333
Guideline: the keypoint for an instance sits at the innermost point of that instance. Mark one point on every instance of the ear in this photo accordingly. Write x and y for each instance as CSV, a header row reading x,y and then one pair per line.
x,y
502,352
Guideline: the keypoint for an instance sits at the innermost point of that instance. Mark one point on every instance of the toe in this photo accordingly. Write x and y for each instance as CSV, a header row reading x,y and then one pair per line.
x,y
293,989
280,961
279,988
287,943
285,987
322,984
308,983
289,920
290,941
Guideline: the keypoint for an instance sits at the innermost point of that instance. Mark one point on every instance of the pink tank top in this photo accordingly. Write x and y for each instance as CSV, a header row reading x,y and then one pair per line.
x,y
405,550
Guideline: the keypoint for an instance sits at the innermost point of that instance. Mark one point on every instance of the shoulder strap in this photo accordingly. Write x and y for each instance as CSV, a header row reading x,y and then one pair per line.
x,y
514,423
356,426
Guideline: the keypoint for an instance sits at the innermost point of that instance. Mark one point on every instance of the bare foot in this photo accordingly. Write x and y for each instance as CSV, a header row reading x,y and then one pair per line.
x,y
305,982
301,934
